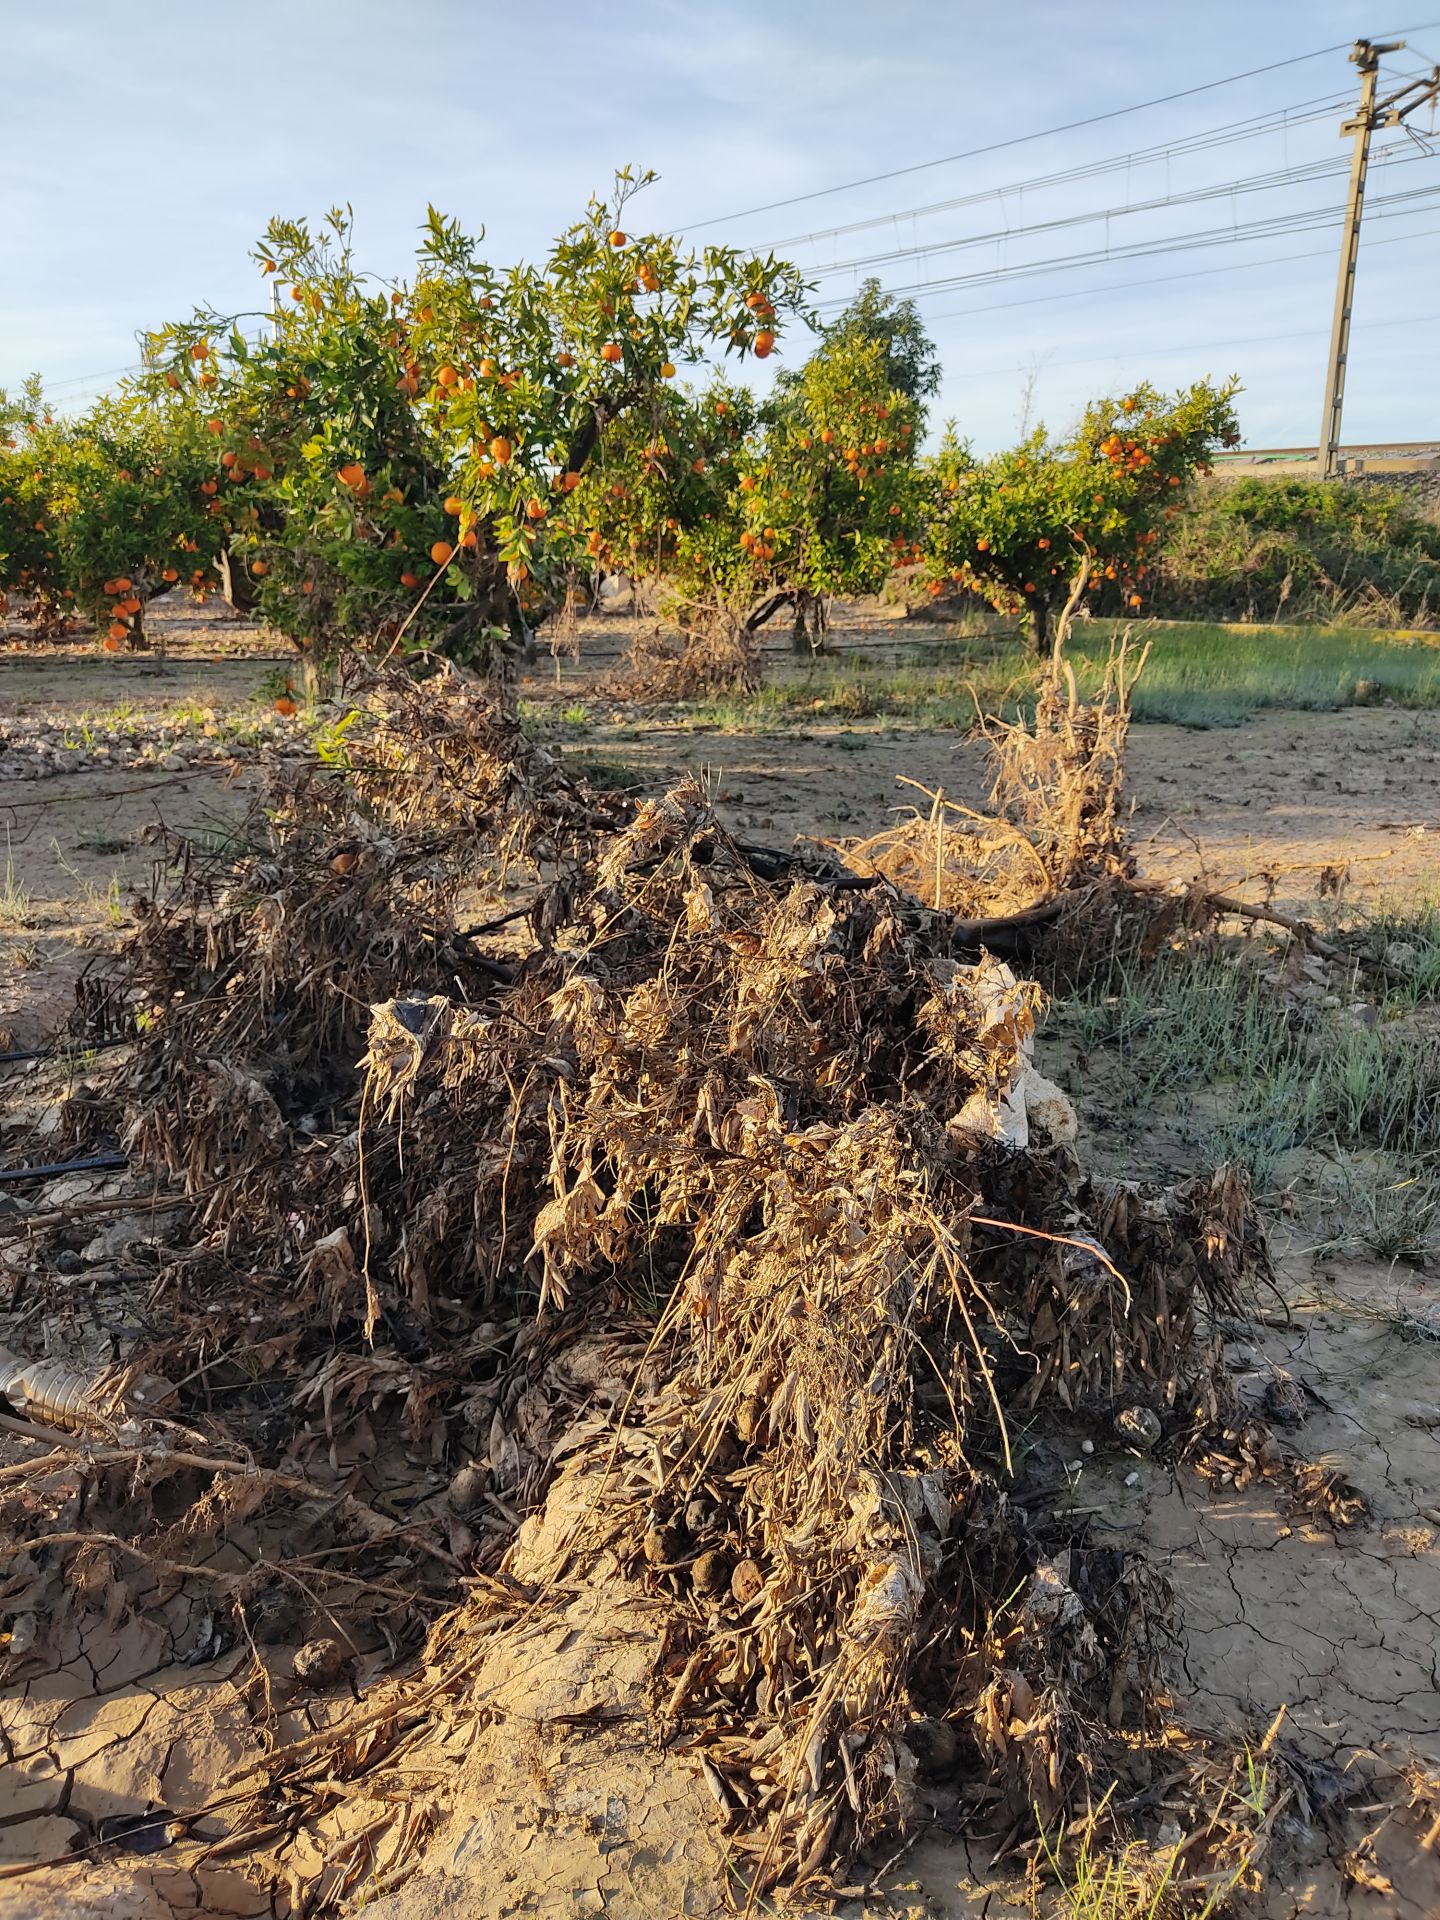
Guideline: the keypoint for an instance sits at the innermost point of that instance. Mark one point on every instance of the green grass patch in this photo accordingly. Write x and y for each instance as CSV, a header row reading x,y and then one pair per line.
x,y
1207,1044
1198,675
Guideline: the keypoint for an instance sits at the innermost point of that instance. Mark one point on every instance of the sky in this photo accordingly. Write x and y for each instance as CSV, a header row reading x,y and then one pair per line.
x,y
146,145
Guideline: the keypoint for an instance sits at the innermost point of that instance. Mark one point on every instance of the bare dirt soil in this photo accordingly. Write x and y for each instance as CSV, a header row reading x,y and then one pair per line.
x,y
1280,1607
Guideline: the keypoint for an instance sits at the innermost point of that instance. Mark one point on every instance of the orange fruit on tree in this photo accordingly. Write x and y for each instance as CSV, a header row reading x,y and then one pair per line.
x,y
501,451
764,344
170,575
454,505
667,370
827,434
215,426
200,350
122,585
259,568
352,475
118,632
446,377
1042,543
612,352
227,459
468,538
209,486
536,509
441,552
564,359
617,239
569,482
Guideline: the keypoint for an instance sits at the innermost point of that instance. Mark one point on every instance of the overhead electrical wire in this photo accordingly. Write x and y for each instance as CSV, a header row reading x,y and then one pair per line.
x,y
1018,139
1281,120
1305,220
1247,184
1167,279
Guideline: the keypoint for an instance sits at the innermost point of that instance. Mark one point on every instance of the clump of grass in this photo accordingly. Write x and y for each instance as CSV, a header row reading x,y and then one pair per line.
x,y
1207,1038
15,900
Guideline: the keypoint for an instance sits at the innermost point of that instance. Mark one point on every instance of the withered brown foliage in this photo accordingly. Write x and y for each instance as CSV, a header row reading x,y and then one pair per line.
x,y
759,1115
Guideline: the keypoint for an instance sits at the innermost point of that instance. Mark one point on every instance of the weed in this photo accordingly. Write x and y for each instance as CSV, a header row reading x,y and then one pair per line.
x,y
15,899
577,714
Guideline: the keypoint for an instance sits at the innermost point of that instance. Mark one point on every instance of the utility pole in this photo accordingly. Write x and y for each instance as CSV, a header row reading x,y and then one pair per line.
x,y
1390,112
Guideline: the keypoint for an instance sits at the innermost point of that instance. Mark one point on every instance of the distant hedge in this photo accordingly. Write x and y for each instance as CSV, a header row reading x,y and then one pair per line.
x,y
1308,550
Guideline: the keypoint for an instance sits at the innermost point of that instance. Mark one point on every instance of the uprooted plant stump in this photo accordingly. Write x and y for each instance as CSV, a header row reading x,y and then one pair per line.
x,y
694,1245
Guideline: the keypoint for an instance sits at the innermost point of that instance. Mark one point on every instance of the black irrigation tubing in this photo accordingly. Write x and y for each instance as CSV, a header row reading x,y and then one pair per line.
x,y
93,1163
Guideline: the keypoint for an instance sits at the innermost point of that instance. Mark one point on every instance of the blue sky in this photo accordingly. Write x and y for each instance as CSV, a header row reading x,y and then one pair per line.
x,y
147,144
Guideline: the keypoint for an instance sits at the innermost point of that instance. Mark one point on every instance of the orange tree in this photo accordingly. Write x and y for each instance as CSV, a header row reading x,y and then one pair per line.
x,y
30,565
395,463
131,516
740,510
1018,527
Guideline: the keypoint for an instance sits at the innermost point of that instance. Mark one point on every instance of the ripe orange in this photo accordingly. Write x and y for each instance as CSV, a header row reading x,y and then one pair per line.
x,y
468,538
118,630
617,239
501,451
667,370
982,546
173,382
764,344
308,587
564,359
446,377
215,426
747,483
1042,543
285,706
452,505
114,642
352,475
569,482
259,568
170,575
442,552
592,545
827,434
296,293
536,509
486,300
122,586
109,587
128,607
612,352
200,350
408,580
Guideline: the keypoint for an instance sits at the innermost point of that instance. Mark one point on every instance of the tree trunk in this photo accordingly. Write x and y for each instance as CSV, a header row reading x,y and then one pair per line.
x,y
1039,628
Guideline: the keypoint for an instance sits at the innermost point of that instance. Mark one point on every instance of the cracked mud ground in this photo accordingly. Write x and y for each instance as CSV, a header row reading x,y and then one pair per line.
x,y
543,1803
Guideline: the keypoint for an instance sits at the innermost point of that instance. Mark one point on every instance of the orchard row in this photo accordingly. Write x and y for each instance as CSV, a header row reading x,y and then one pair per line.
x,y
438,463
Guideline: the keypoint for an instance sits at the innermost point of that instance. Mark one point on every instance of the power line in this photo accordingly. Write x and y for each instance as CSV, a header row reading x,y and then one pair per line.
x,y
1306,220
1250,183
1166,279
1202,346
1019,139
1282,120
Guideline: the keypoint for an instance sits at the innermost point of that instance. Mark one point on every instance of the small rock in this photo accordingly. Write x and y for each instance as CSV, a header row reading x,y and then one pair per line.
x,y
467,1488
746,1582
1400,955
1139,1427
933,1744
710,1574
1087,1446
318,1663
697,1515
173,762
1132,1479
113,1240
1284,1399
67,1261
